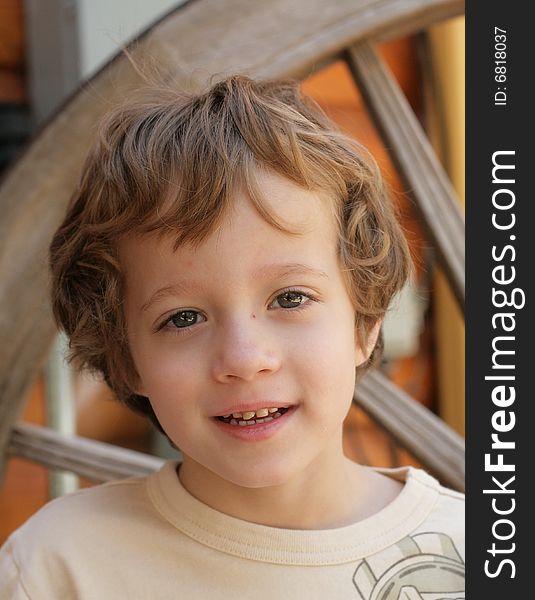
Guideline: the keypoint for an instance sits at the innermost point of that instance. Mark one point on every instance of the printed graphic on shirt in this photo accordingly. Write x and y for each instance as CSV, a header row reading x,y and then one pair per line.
x,y
426,566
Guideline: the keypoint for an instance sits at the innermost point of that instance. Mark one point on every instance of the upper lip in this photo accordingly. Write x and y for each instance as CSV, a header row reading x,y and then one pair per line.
x,y
241,408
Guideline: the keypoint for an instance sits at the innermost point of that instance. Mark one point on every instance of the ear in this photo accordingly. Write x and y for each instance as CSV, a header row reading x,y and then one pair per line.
x,y
362,354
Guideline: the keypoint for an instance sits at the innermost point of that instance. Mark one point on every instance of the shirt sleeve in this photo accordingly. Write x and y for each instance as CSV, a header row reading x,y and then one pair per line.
x,y
11,586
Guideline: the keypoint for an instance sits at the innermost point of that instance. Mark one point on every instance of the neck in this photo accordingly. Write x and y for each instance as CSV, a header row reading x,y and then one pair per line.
x,y
332,492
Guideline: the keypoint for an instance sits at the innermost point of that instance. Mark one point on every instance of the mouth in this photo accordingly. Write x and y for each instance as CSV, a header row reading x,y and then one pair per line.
x,y
253,426
256,417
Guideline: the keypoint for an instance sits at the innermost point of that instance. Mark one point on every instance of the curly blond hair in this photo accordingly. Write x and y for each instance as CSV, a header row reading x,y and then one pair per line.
x,y
170,163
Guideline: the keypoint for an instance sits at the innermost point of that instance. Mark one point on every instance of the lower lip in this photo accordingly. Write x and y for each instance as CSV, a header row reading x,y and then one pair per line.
x,y
256,433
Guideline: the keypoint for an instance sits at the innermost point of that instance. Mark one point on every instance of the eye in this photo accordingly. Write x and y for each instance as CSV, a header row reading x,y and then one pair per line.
x,y
292,299
184,319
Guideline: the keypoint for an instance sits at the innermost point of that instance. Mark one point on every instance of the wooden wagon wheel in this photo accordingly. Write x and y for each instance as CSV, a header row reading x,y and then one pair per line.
x,y
282,38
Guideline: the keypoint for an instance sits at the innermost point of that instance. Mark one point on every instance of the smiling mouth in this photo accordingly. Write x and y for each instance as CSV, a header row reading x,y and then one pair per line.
x,y
253,418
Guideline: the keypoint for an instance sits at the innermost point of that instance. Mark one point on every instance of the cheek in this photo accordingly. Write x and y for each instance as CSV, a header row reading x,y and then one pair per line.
x,y
329,360
172,391
168,377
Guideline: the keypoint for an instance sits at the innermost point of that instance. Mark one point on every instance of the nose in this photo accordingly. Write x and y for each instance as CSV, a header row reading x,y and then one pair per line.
x,y
243,351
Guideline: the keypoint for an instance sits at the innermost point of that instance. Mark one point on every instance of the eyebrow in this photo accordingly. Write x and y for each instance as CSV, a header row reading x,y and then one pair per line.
x,y
277,270
290,269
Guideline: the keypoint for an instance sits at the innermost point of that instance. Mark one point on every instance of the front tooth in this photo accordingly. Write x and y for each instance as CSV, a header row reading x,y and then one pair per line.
x,y
263,412
248,415
237,415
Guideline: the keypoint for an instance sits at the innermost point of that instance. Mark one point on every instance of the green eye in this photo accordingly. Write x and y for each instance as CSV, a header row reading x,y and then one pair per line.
x,y
185,318
291,299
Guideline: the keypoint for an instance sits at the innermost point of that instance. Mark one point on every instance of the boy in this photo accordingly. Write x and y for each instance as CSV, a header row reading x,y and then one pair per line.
x,y
226,264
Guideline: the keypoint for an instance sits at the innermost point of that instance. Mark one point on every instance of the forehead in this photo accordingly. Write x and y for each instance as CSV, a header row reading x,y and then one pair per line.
x,y
295,207
307,219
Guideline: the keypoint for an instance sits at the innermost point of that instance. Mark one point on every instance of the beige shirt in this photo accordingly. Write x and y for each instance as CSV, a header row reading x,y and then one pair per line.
x,y
148,538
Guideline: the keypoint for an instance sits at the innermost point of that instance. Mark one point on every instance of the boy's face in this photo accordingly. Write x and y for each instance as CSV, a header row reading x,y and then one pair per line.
x,y
253,318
